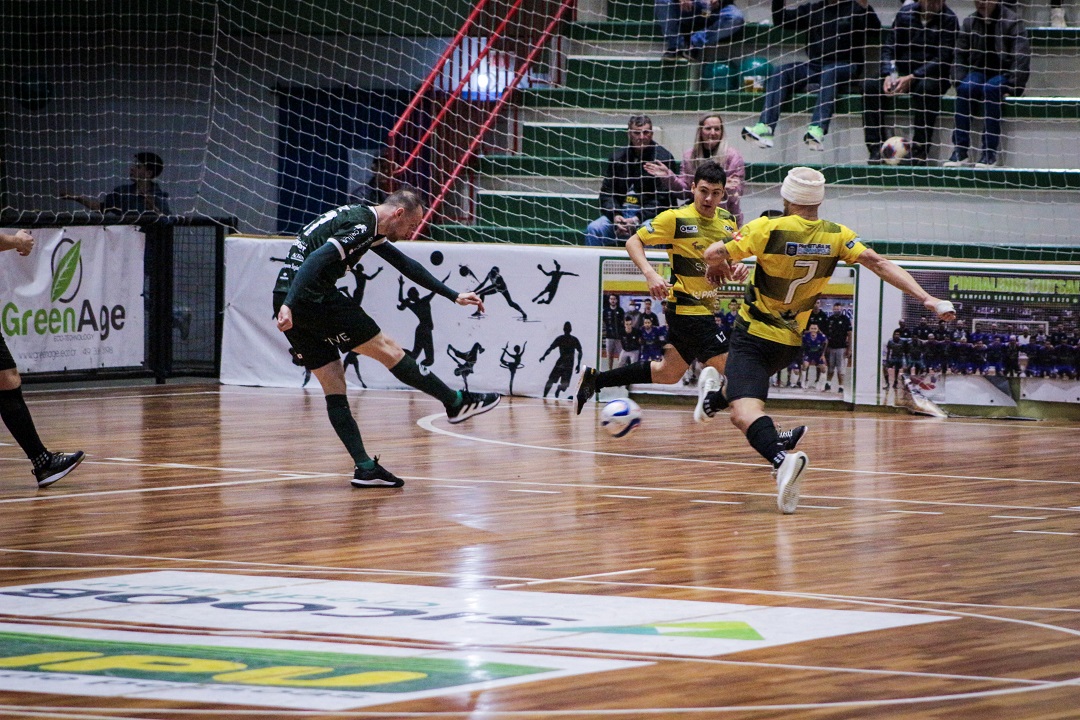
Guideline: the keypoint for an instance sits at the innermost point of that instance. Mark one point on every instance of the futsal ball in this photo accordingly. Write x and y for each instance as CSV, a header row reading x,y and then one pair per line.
x,y
620,417
894,150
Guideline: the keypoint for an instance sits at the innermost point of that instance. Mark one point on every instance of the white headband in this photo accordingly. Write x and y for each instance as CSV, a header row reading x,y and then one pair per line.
x,y
803,186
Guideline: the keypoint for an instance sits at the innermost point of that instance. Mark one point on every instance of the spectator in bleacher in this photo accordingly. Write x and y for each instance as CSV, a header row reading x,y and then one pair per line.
x,y
690,26
141,195
638,185
1057,14
993,61
916,61
710,144
836,35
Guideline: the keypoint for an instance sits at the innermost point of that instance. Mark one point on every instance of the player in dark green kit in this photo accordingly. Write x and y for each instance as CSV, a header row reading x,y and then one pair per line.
x,y
321,323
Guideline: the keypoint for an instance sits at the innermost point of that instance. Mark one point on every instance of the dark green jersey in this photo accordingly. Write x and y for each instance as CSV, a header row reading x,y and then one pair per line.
x,y
352,229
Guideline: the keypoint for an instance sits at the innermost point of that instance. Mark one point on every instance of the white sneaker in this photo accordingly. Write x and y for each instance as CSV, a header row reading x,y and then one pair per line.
x,y
788,476
708,381
1057,18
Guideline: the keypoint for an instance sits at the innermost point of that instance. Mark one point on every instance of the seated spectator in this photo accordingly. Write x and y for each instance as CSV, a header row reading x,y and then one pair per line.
x,y
709,144
141,195
638,185
993,61
916,61
690,26
836,33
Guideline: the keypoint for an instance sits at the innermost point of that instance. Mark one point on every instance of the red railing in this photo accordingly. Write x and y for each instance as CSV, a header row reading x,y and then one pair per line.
x,y
429,81
493,113
400,168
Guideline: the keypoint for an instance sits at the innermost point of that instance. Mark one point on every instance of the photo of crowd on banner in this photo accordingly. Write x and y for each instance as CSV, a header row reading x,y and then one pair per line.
x,y
1012,333
633,331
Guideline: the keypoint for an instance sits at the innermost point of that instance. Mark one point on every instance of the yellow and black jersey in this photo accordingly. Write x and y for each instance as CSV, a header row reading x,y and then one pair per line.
x,y
685,235
795,259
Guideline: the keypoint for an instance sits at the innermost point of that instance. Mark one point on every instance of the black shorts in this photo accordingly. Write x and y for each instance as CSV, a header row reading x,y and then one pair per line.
x,y
322,331
695,337
6,361
752,361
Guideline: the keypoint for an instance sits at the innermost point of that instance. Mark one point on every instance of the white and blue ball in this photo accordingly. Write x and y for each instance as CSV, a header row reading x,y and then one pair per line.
x,y
620,417
895,149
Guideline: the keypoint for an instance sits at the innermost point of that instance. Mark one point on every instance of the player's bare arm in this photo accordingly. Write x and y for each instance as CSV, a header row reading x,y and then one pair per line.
x,y
21,242
901,279
658,286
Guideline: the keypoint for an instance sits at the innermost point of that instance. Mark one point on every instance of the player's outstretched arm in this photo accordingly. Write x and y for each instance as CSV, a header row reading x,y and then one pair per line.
x,y
414,270
901,279
21,242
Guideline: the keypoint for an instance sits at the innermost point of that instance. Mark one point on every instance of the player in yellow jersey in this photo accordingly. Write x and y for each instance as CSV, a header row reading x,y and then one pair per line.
x,y
689,298
796,254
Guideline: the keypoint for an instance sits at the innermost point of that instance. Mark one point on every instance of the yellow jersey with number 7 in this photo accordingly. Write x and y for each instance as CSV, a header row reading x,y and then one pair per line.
x,y
795,259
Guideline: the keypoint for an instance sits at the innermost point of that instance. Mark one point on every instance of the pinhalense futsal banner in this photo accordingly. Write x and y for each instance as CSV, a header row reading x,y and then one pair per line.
x,y
75,303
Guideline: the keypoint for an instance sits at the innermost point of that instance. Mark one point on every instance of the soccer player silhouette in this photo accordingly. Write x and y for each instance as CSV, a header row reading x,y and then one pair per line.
x,y
465,361
565,366
512,360
492,284
421,307
553,284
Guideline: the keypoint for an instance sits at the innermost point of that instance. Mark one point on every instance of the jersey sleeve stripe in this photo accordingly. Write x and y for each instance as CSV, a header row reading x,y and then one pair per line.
x,y
336,243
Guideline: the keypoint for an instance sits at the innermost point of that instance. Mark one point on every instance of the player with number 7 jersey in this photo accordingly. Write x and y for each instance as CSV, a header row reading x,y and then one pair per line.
x,y
796,255
795,259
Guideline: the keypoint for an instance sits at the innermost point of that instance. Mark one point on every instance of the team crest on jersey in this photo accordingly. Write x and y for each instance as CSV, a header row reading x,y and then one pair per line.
x,y
794,249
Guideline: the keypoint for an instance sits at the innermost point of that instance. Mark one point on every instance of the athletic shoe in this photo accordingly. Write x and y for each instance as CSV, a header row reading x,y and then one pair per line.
x,y
586,388
875,157
1057,18
788,476
376,477
815,138
959,158
988,159
57,466
760,133
472,404
710,381
791,437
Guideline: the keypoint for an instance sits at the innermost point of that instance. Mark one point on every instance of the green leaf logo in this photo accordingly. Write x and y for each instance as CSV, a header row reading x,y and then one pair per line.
x,y
65,271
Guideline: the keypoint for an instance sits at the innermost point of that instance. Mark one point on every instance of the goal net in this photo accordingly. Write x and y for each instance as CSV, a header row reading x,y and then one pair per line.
x,y
272,111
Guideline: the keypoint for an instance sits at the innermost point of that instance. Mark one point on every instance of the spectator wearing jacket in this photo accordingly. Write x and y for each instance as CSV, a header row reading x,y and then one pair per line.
x,y
993,61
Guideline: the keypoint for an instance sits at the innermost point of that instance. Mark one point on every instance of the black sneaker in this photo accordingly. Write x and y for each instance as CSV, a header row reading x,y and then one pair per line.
x,y
472,404
875,157
791,437
376,477
58,465
586,387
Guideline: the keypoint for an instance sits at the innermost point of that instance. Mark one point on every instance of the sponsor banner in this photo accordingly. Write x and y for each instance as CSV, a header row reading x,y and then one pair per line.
x,y
530,340
446,615
622,281
1013,350
258,672
75,303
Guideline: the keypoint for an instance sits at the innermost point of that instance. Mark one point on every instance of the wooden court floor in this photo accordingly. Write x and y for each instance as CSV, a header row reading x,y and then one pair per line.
x,y
658,555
